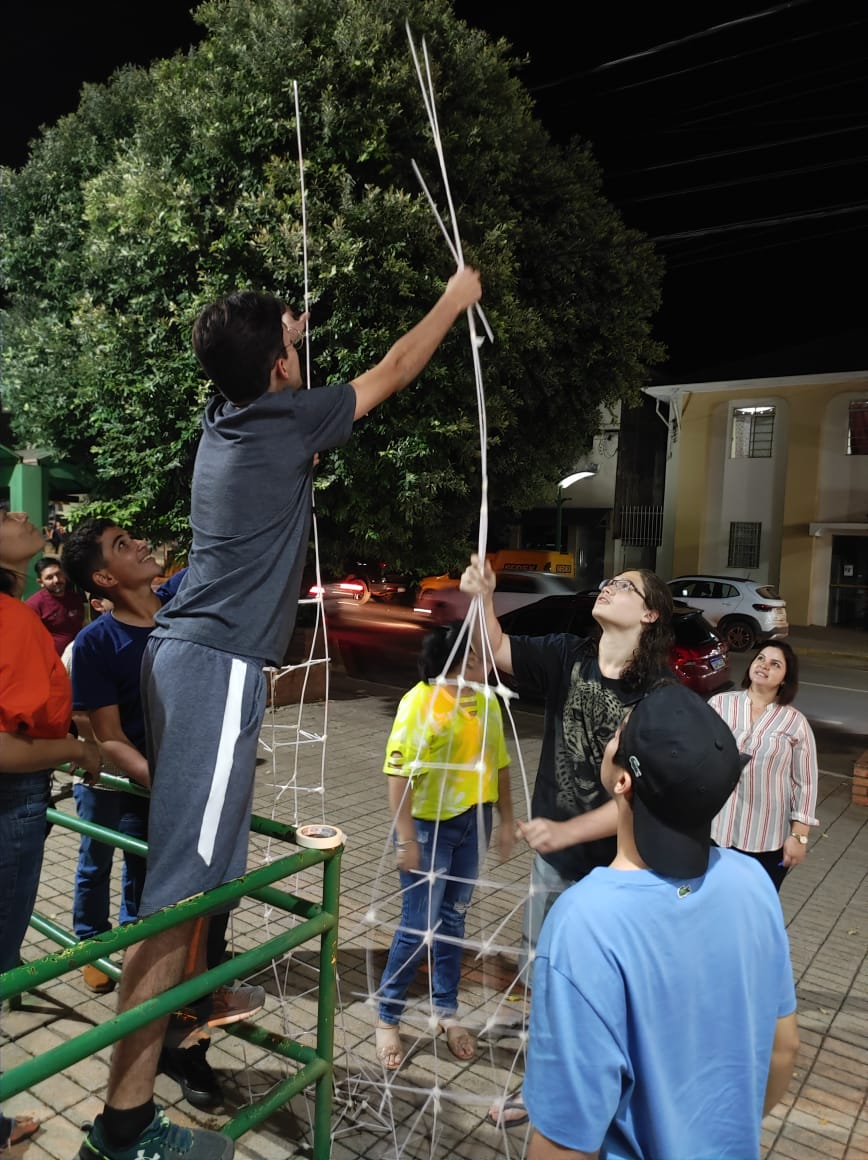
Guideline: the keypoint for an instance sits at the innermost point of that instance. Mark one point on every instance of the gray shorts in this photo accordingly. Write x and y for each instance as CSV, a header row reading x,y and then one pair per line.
x,y
203,712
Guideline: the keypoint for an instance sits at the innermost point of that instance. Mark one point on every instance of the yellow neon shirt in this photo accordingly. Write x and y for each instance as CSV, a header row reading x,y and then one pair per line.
x,y
450,746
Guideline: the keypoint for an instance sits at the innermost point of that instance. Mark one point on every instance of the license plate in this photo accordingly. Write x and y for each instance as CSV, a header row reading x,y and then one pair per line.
x,y
717,663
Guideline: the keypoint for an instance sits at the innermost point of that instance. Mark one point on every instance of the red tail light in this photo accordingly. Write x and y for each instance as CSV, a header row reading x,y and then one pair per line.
x,y
765,607
353,586
315,590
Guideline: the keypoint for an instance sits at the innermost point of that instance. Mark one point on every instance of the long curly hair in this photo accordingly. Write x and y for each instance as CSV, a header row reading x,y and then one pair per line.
x,y
650,661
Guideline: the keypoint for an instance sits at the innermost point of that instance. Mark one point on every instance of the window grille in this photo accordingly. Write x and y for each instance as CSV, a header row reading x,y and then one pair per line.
x,y
752,432
642,526
857,428
744,545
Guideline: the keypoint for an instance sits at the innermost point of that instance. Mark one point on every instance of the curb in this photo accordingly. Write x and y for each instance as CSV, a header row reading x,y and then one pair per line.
x,y
817,650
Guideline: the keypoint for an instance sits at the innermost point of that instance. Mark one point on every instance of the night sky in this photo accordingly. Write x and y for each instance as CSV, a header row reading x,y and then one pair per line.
x,y
734,134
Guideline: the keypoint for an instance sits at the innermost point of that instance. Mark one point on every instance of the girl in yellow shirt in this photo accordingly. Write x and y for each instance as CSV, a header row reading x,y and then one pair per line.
x,y
447,765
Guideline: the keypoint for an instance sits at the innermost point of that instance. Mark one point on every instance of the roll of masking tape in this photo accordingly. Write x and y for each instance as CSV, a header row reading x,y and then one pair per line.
x,y
318,837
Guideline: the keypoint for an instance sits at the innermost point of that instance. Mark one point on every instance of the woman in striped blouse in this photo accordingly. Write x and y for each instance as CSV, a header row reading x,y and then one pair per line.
x,y
772,809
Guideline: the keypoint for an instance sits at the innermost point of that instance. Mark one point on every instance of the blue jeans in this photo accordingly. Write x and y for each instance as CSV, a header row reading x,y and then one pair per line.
x,y
24,799
128,814
453,849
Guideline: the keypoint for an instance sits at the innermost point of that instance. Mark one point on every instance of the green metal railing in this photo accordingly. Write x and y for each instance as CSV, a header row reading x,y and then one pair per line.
x,y
317,920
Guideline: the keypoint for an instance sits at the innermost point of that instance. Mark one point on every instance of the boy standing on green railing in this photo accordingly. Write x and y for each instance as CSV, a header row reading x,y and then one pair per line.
x,y
202,681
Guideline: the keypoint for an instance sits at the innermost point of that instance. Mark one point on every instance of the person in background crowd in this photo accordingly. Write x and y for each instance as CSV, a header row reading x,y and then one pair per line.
x,y
57,603
772,809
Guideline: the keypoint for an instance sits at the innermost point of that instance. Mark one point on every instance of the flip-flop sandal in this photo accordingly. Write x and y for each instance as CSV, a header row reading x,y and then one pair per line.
x,y
23,1127
460,1041
388,1042
514,1103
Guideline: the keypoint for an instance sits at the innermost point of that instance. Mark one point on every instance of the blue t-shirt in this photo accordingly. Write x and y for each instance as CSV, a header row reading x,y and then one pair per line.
x,y
250,514
655,1002
106,660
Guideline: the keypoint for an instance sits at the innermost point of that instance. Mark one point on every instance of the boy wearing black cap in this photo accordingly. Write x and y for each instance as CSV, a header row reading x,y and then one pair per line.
x,y
671,966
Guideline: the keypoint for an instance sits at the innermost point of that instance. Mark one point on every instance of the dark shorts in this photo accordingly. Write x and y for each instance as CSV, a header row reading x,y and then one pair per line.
x,y
203,712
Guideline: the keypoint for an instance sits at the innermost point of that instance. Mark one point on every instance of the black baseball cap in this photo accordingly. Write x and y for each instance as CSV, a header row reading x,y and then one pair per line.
x,y
684,763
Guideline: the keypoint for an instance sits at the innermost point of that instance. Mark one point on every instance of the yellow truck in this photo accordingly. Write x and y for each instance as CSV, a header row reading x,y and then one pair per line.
x,y
530,560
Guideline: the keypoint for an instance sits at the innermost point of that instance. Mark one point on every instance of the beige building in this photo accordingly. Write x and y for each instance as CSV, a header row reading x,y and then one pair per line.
x,y
768,478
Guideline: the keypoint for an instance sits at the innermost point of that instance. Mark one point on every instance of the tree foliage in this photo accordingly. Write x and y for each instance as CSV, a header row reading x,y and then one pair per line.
x,y
172,185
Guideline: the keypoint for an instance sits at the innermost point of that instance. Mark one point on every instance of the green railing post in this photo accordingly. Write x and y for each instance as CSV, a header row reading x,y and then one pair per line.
x,y
326,1006
316,1066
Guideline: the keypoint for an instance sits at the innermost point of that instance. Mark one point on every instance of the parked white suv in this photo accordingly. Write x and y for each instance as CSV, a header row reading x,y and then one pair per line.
x,y
742,611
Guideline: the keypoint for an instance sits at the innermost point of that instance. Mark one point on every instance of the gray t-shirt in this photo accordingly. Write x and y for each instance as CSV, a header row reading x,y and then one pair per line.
x,y
250,515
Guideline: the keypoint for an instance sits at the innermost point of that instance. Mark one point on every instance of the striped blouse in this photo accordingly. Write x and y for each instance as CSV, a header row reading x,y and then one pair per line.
x,y
778,786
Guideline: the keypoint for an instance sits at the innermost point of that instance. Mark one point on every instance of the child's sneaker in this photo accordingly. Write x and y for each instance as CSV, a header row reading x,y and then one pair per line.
x,y
161,1140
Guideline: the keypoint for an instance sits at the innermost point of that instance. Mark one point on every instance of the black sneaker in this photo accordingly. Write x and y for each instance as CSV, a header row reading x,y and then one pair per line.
x,y
161,1140
188,1067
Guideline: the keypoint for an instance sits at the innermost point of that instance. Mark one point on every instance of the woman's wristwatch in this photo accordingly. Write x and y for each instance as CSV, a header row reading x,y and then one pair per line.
x,y
802,839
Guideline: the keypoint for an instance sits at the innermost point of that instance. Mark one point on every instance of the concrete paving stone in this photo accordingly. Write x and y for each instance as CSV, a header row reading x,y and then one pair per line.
x,y
833,1135
38,1041
812,1102
857,1146
796,1147
839,965
849,1029
63,1137
32,1150
769,1134
59,1092
832,1093
836,1071
852,1053
91,1073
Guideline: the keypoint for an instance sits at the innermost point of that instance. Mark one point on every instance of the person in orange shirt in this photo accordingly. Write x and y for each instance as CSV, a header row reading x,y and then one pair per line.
x,y
35,718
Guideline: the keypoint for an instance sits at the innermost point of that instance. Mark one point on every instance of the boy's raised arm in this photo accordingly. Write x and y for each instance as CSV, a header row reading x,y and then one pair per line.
x,y
412,352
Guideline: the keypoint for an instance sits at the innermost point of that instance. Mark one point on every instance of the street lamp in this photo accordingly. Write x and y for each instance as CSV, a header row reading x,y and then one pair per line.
x,y
568,481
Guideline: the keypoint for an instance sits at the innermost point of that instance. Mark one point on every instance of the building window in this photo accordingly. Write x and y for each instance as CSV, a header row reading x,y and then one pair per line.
x,y
744,545
752,432
857,428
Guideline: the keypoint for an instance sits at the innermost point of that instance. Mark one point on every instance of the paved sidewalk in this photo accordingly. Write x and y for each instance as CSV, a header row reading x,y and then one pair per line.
x,y
435,1106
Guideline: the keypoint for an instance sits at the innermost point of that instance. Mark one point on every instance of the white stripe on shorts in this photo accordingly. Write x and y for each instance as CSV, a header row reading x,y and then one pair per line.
x,y
223,765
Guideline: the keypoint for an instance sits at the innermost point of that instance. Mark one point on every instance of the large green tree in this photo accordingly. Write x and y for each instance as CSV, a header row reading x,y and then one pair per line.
x,y
172,185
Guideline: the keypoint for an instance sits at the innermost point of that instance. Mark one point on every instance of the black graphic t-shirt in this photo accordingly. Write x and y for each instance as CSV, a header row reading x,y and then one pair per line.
x,y
582,711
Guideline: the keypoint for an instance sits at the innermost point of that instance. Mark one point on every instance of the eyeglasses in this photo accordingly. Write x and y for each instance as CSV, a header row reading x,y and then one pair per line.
x,y
296,341
621,585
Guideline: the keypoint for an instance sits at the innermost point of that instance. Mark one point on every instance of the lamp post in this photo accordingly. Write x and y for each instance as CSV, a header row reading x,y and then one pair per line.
x,y
568,481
